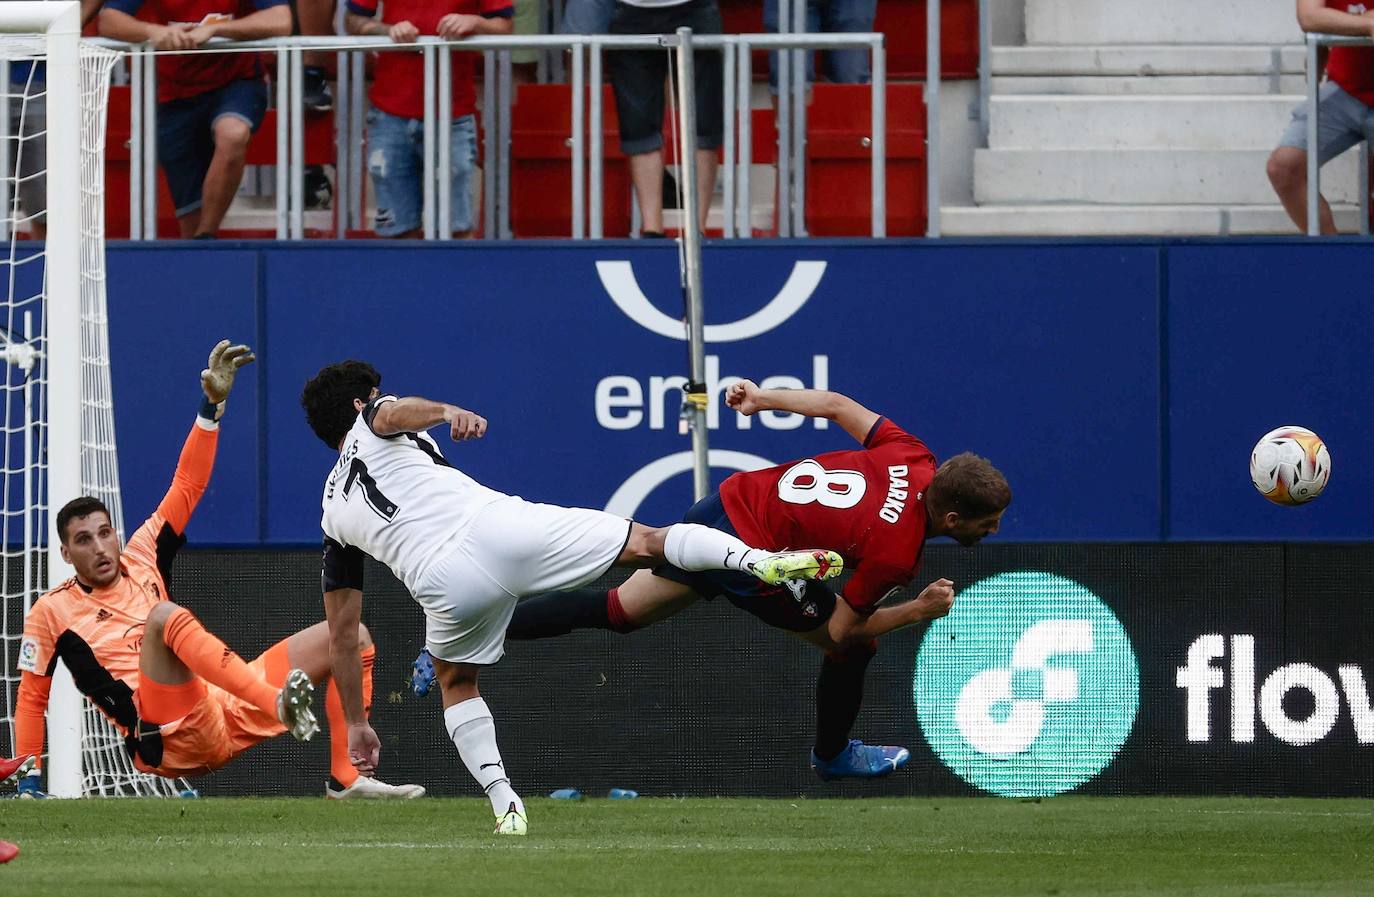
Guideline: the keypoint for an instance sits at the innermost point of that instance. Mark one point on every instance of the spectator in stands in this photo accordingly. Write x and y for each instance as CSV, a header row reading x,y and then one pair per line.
x,y
316,18
28,115
208,106
638,80
395,124
828,16
528,19
1345,108
588,16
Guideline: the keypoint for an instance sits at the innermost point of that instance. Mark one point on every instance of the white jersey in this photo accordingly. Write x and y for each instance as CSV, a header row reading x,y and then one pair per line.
x,y
398,499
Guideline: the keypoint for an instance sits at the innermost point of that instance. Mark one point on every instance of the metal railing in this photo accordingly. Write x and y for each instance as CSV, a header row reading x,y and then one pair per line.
x,y
1314,44
586,81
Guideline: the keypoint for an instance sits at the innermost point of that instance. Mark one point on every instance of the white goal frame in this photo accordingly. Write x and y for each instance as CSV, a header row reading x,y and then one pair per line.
x,y
59,21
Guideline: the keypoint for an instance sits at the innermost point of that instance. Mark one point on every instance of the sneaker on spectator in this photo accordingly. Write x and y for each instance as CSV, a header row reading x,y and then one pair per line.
x,y
315,95
319,193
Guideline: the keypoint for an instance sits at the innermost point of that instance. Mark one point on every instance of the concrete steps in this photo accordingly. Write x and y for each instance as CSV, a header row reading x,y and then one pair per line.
x,y
1148,60
1122,118
1153,176
1161,22
1069,220
1108,122
1155,85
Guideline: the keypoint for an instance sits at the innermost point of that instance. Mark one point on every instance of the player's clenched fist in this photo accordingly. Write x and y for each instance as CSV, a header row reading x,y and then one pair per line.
x,y
464,424
743,397
937,598
218,377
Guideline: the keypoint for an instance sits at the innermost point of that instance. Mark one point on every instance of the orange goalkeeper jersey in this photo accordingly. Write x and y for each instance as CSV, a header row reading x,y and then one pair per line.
x,y
98,632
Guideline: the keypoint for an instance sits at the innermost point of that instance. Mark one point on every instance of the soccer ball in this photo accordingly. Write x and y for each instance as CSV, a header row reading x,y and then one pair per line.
x,y
1290,465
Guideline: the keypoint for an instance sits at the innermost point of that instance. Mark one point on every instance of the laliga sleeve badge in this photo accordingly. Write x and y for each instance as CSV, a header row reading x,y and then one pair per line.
x,y
28,655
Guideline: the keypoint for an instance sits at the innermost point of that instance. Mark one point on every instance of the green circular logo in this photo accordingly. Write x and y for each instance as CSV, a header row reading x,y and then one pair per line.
x,y
1029,687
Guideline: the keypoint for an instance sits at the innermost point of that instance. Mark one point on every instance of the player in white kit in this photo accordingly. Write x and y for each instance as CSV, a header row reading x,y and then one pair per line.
x,y
468,553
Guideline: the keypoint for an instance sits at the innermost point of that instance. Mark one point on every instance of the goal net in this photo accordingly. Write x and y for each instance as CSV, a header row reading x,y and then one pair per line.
x,y
58,424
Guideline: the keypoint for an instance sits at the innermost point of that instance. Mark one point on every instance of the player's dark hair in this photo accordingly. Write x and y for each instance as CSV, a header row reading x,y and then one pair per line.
x,y
970,486
328,398
78,507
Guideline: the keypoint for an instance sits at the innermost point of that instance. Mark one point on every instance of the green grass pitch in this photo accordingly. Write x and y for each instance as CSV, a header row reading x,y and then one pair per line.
x,y
857,848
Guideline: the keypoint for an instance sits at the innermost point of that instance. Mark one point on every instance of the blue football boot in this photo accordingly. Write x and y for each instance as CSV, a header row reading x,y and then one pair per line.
x,y
422,674
861,761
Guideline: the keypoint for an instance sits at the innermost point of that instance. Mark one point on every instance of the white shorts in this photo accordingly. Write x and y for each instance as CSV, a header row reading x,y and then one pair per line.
x,y
513,549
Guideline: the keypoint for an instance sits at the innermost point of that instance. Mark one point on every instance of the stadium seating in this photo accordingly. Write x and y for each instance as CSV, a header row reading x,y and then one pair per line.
x,y
839,167
541,164
1113,121
319,150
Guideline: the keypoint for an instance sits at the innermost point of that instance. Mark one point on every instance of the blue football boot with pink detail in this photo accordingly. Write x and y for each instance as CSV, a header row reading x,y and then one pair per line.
x,y
861,761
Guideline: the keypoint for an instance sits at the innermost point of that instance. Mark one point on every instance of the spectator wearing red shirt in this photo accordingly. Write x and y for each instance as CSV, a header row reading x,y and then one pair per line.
x,y
395,124
1345,107
208,106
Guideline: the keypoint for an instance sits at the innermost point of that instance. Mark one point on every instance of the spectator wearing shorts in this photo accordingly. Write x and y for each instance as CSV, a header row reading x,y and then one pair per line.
x,y
395,124
208,106
638,80
1345,106
28,115
828,17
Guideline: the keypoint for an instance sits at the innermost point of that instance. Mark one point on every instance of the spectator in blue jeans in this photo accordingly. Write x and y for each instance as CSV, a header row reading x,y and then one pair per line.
x,y
834,17
587,16
395,124
209,104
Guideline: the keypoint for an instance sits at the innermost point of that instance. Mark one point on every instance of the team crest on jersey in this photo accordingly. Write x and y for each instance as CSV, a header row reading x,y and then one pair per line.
x,y
809,609
28,655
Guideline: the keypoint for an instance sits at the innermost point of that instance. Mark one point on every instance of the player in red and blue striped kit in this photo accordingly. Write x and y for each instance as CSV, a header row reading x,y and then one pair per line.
x,y
876,505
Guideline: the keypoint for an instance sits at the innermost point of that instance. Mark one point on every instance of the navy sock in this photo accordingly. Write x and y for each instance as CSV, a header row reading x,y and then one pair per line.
x,y
839,693
559,613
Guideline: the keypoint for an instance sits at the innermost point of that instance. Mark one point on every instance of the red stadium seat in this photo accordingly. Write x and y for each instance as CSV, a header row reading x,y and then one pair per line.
x,y
838,163
903,22
541,164
117,148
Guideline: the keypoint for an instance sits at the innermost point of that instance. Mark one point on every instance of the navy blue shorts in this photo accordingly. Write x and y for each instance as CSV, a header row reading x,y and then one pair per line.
x,y
774,605
186,141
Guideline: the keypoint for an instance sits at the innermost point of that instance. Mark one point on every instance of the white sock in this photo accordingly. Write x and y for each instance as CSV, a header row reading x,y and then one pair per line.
x,y
691,546
473,731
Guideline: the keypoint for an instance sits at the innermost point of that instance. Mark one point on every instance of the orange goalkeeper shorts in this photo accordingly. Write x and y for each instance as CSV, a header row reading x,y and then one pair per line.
x,y
206,726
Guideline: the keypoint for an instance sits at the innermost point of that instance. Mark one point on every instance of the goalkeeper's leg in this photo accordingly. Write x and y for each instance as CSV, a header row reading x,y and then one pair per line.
x,y
177,649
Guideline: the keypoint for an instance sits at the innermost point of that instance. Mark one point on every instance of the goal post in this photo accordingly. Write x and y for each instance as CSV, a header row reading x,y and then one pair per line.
x,y
56,409
62,285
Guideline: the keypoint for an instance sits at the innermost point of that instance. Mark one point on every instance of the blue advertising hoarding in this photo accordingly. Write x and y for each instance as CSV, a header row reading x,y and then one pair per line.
x,y
1119,385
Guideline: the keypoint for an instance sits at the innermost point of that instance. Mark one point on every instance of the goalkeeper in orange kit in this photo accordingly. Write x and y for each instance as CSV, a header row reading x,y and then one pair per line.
x,y
185,702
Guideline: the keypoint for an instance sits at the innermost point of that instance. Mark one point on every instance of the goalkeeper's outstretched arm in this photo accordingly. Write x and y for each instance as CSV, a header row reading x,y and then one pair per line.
x,y
197,459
